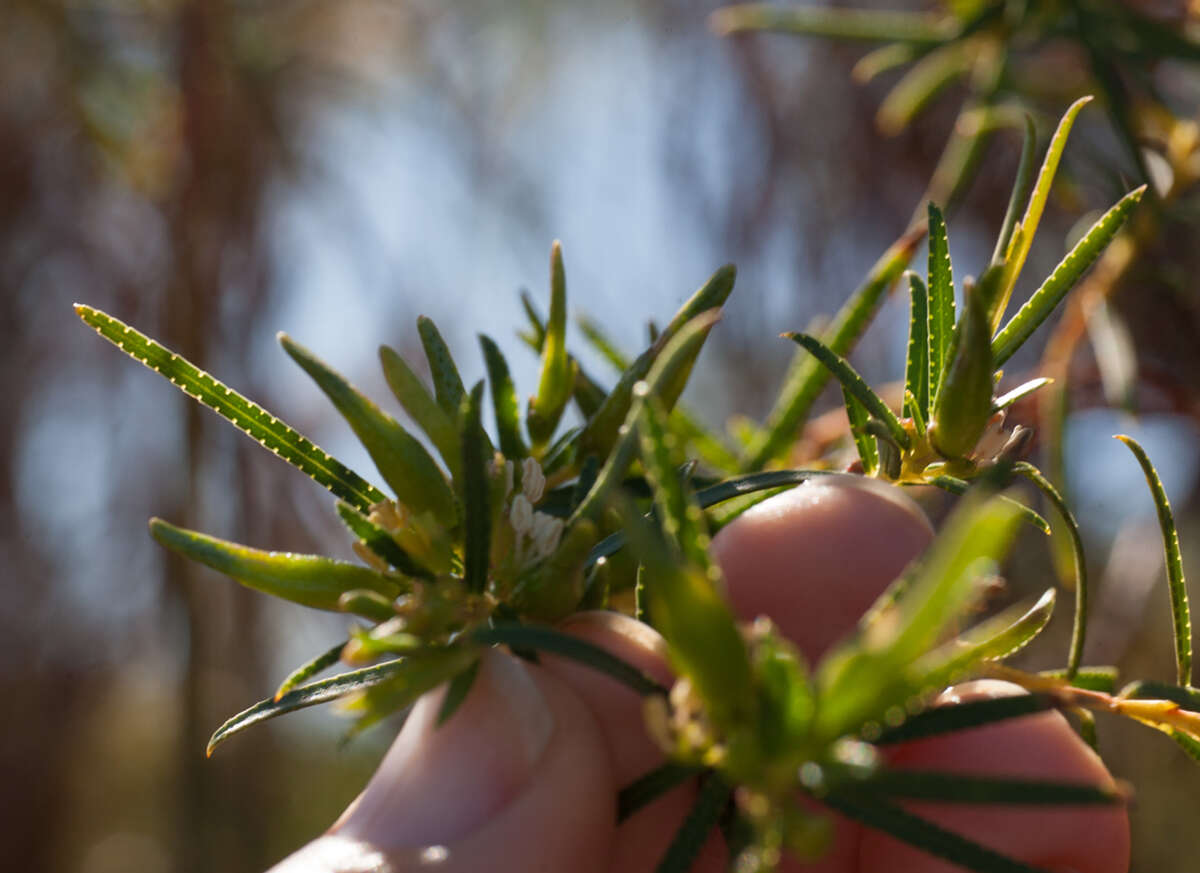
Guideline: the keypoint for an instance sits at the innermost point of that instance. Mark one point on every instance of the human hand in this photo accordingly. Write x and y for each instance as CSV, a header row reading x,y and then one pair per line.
x,y
523,776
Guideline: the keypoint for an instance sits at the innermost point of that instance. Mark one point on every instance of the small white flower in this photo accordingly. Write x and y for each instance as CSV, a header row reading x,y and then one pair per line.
x,y
521,515
533,481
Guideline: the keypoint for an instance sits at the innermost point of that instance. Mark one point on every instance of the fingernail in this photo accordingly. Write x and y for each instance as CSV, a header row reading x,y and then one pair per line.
x,y
437,784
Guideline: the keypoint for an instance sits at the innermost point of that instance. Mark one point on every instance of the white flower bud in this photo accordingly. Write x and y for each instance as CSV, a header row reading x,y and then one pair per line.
x,y
521,515
533,481
547,531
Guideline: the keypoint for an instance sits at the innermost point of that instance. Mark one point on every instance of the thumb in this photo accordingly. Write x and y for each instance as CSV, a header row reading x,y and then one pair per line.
x,y
518,779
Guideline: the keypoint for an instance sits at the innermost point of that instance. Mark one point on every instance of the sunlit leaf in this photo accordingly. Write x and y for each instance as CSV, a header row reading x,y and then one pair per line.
x,y
858,417
916,370
306,695
310,580
403,462
1020,191
447,384
379,541
941,299
557,379
918,87
1021,391
309,669
265,429
1038,308
1018,248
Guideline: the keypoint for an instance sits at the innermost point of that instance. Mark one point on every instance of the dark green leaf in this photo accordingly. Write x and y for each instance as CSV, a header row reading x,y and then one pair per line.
x,y
556,380
379,541
963,403
960,487
1181,614
650,786
404,463
1089,678
476,499
963,716
547,639
1079,634
504,401
310,580
854,384
941,787
858,417
456,692
447,384
265,429
692,834
925,835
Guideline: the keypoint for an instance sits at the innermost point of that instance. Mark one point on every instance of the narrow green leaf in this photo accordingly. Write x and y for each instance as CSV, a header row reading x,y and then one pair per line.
x,y
939,720
309,669
254,421
412,394
652,785
306,695
601,430
379,541
857,24
921,85
476,498
1023,390
678,354
456,692
925,835
1038,308
854,384
806,377
678,513
961,486
504,401
1181,614
1089,678
858,417
310,580
740,486
603,344
555,382
693,833
536,337
404,463
860,678
941,787
1189,744
941,299
1079,633
447,384
963,403
547,639
883,59
1020,191
916,370
416,674
1149,689
367,604
705,643
1018,248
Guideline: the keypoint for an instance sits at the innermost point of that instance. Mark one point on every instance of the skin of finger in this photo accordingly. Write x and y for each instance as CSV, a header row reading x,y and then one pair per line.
x,y
641,839
1085,839
558,813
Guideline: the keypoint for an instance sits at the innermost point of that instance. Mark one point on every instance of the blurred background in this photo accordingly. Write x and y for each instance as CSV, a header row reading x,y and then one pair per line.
x,y
213,171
